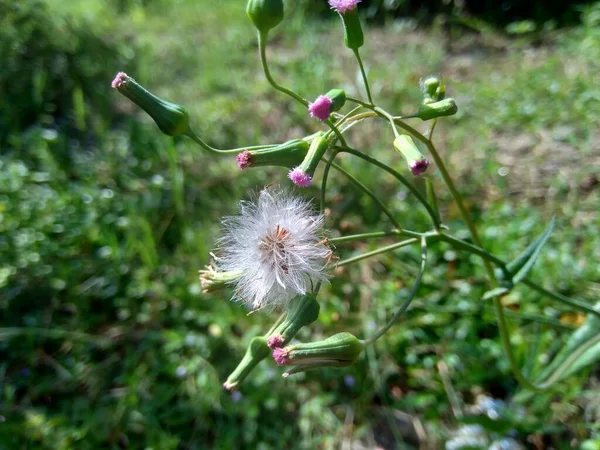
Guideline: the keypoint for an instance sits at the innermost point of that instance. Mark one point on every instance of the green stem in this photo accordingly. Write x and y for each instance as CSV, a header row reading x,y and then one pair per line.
x,y
364,74
411,295
367,191
399,177
379,251
362,236
204,145
262,41
462,245
576,304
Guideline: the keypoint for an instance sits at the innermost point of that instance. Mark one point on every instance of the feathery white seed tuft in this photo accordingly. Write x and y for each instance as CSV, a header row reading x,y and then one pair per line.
x,y
277,244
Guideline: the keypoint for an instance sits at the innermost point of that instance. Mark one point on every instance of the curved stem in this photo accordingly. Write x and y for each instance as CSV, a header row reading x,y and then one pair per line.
x,y
364,74
262,41
204,145
362,236
411,295
367,191
379,251
399,177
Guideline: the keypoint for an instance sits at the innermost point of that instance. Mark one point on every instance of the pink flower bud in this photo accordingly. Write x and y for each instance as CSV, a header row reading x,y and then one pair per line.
x,y
244,159
342,6
299,177
275,341
418,167
321,108
280,355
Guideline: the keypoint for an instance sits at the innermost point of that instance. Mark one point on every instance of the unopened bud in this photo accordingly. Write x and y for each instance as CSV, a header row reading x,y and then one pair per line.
x,y
339,350
353,34
302,311
433,89
256,352
302,175
265,14
288,155
172,119
324,105
446,107
414,158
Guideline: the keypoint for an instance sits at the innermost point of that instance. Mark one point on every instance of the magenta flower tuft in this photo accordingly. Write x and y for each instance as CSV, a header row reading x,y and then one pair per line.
x,y
419,166
280,355
342,6
321,107
275,341
120,78
299,177
244,159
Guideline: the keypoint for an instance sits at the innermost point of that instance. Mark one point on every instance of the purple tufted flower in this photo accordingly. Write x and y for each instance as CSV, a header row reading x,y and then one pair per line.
x,y
321,107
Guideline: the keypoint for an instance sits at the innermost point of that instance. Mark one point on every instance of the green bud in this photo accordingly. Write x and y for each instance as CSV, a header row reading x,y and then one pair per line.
x,y
353,34
302,311
338,99
415,159
446,107
256,352
172,119
339,350
265,14
302,175
433,89
289,155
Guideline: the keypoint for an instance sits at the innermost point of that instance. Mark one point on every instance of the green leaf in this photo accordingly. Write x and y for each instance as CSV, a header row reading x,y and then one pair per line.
x,y
522,264
584,333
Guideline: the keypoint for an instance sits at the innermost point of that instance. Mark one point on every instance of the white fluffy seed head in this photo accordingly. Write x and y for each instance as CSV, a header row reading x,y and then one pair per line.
x,y
277,243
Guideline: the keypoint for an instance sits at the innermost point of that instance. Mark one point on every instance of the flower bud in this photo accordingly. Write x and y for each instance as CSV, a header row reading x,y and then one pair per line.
x,y
433,89
339,350
324,105
302,175
172,119
415,159
446,107
256,352
302,311
288,155
353,34
212,279
265,14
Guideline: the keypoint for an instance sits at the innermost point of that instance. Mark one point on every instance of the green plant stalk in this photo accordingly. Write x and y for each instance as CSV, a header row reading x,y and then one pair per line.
x,y
204,145
502,325
262,46
362,236
399,177
364,74
411,295
379,251
367,191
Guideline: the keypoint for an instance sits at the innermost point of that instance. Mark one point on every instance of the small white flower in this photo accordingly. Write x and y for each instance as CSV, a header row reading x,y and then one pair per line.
x,y
277,245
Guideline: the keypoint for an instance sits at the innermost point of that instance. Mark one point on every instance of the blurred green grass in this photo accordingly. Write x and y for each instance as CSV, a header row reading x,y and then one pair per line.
x,y
107,341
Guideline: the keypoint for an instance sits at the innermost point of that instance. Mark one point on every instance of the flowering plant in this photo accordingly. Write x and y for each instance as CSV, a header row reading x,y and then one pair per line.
x,y
275,254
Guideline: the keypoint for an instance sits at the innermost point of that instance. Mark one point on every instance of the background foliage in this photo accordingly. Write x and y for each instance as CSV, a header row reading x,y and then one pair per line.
x,y
106,340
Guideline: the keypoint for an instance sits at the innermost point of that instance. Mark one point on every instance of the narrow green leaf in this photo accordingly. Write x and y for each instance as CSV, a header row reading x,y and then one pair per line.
x,y
584,333
522,264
